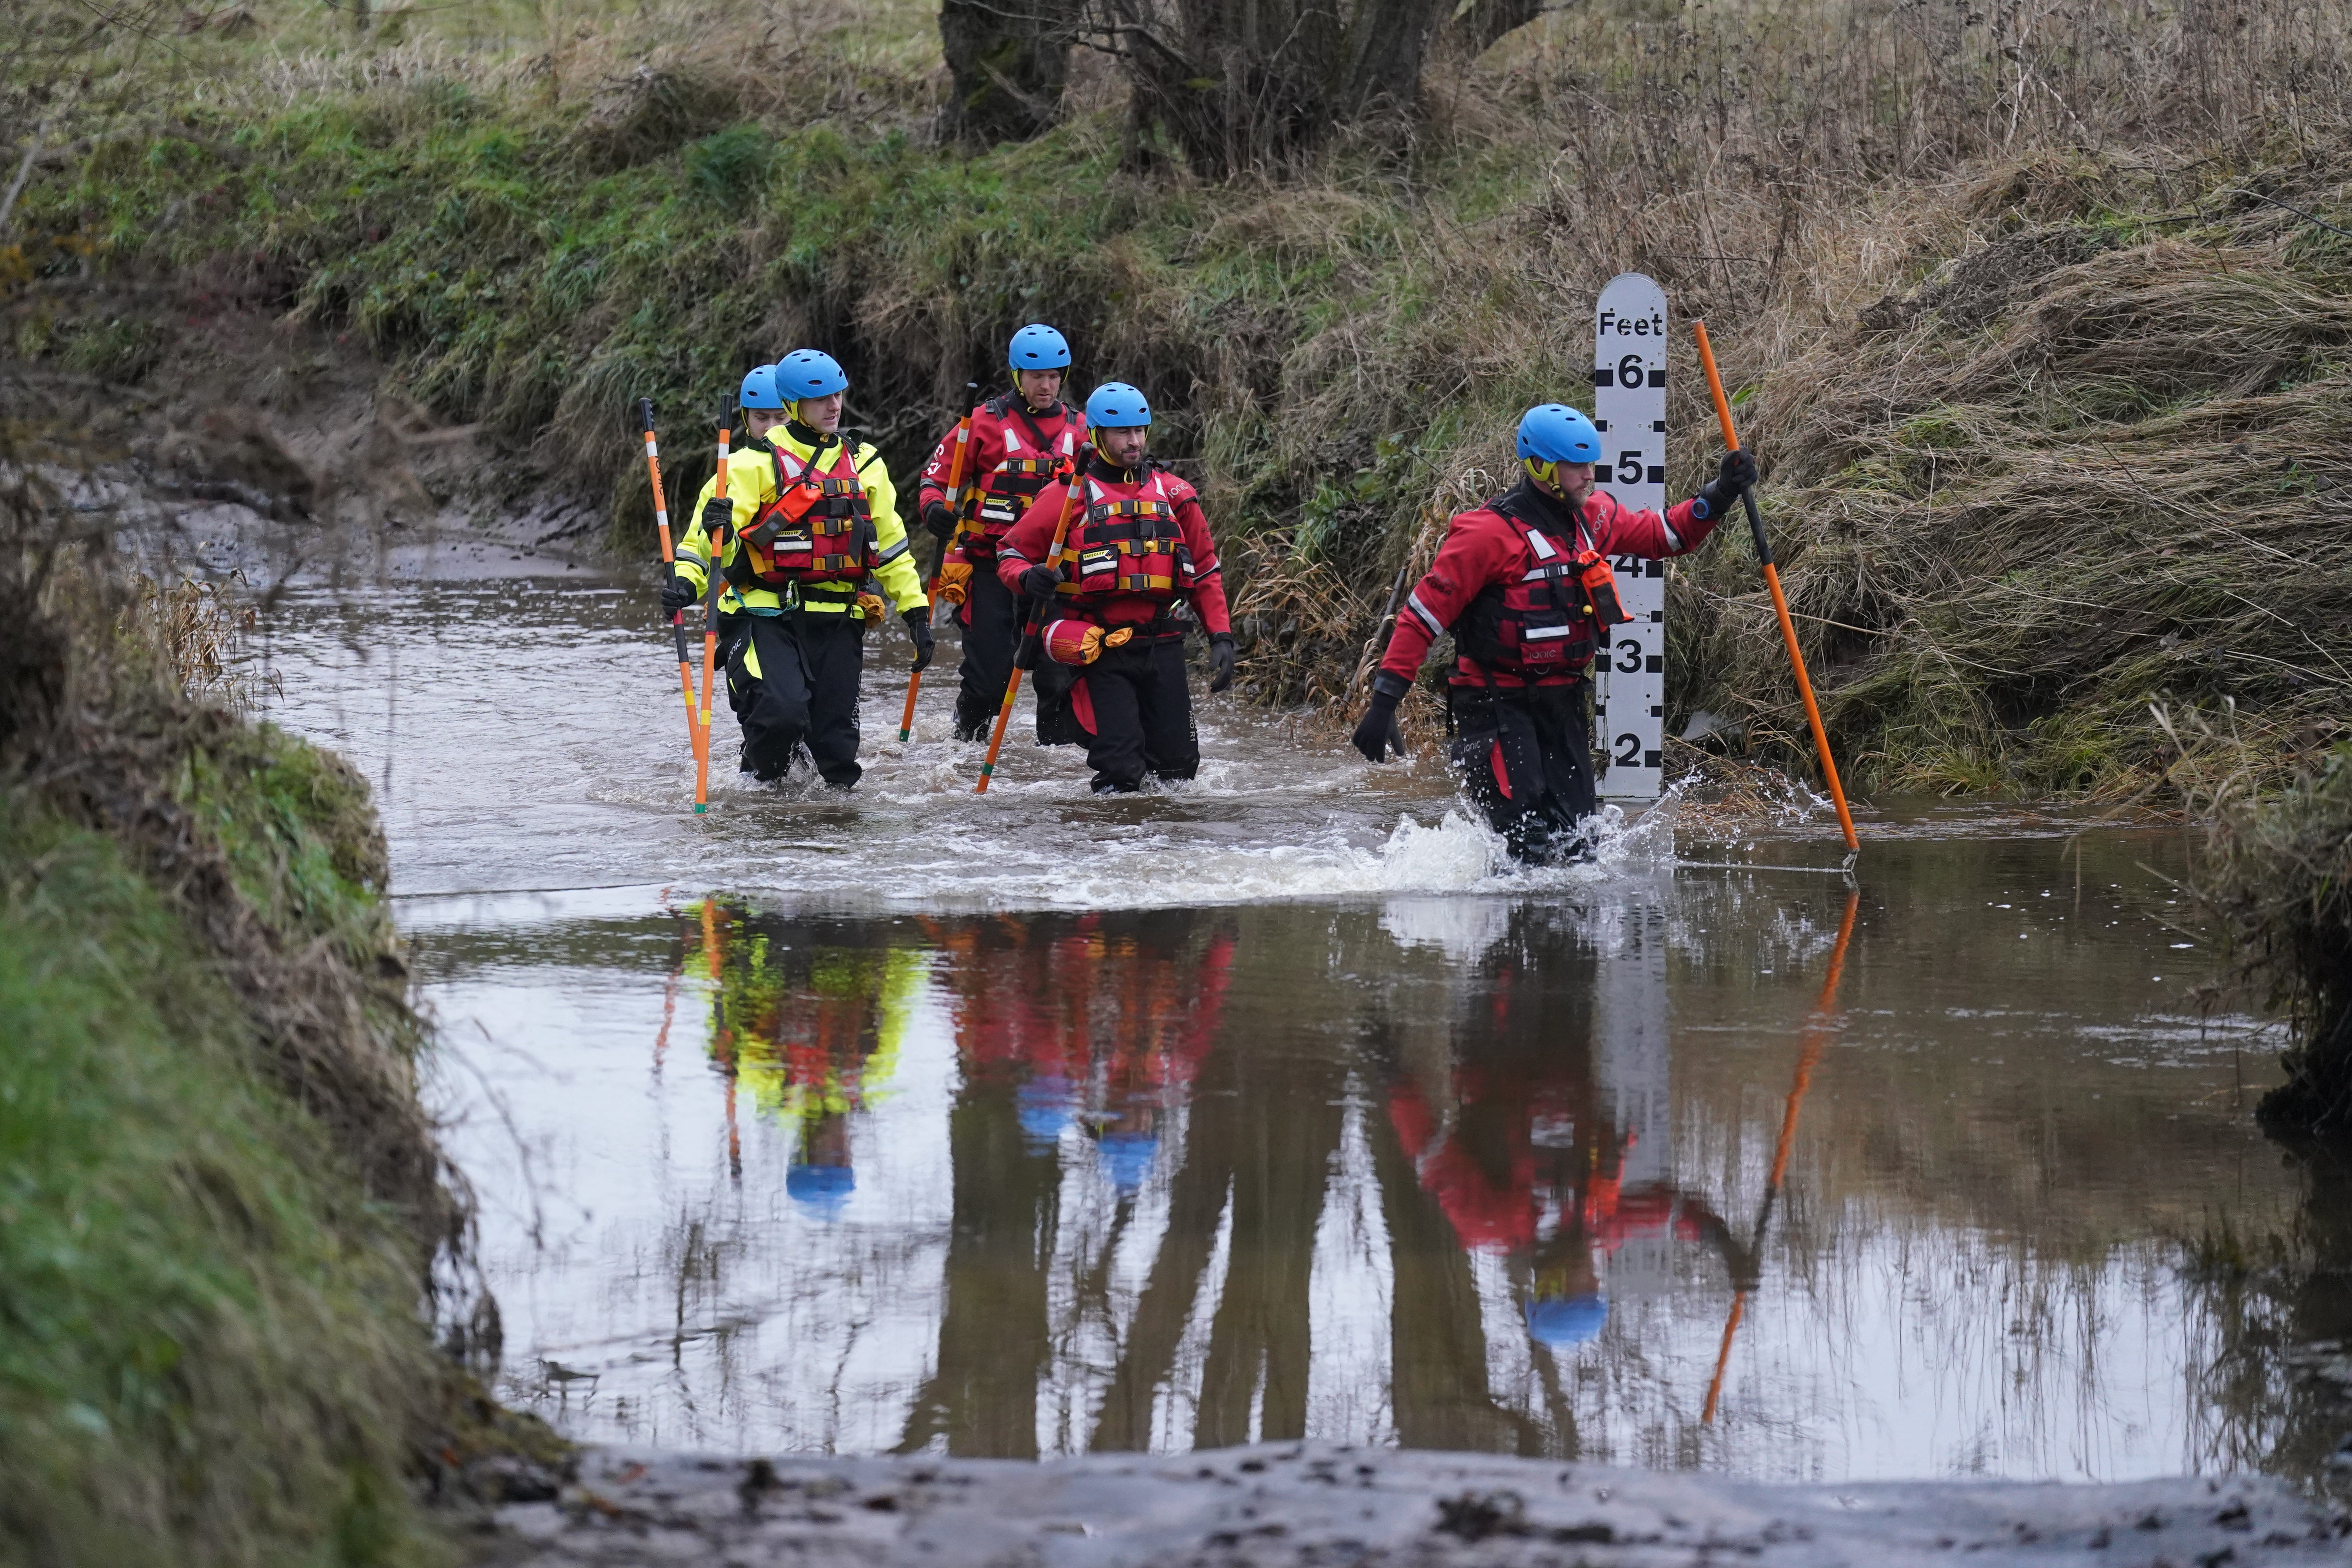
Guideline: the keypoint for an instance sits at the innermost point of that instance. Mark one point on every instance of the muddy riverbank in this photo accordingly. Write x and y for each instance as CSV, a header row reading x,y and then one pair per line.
x,y
1272,1506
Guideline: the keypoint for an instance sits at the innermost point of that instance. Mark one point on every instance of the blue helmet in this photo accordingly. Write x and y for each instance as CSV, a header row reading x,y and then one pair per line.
x,y
1115,405
1045,1106
823,1189
1555,433
760,389
806,373
1128,1158
1563,1320
1039,347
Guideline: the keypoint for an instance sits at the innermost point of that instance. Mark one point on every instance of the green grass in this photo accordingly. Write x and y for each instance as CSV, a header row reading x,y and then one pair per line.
x,y
209,1344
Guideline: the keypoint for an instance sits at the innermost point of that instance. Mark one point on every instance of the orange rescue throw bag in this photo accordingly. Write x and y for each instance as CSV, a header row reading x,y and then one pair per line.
x,y
1082,642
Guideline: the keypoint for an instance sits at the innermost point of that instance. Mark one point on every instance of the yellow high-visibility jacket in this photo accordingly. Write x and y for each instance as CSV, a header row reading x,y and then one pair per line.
x,y
751,484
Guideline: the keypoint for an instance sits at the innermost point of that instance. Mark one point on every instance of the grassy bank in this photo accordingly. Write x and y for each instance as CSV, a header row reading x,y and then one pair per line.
x,y
220,1201
2051,390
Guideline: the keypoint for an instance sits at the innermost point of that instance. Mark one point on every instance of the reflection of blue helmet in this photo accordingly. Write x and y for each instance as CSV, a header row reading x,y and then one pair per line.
x,y
1565,1320
1126,1159
1555,433
823,1189
805,372
760,389
1115,405
1039,347
1046,1106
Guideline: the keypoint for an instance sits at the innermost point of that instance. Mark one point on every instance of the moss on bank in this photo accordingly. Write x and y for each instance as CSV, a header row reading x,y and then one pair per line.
x,y
221,1205
212,1352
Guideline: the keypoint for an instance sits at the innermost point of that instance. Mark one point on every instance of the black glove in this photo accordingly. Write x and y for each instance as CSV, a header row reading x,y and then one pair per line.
x,y
678,592
1737,473
919,627
1039,581
939,520
1378,732
718,512
1221,661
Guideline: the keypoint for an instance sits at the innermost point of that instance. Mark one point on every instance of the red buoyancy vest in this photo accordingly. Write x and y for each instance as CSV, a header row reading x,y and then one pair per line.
x,y
1131,547
819,529
1547,618
1005,491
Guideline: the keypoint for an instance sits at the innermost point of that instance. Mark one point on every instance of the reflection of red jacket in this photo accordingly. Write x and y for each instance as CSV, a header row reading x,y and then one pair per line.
x,y
1498,1205
1002,429
1482,550
1089,1009
1032,540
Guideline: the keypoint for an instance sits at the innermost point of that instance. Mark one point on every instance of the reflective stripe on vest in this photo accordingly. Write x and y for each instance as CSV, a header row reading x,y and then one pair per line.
x,y
1006,490
1540,622
1132,546
817,532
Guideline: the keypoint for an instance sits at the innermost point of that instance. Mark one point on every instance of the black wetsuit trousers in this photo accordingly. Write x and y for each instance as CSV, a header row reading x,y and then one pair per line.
x,y
1143,715
1526,757
806,693
990,618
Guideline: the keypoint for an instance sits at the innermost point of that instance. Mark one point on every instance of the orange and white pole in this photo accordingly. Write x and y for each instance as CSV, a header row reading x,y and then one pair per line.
x,y
669,557
710,630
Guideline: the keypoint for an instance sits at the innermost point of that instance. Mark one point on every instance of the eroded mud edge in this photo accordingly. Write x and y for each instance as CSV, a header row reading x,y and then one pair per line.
x,y
1287,1503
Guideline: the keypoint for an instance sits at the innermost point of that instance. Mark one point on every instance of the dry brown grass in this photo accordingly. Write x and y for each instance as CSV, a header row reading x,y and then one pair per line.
x,y
2045,443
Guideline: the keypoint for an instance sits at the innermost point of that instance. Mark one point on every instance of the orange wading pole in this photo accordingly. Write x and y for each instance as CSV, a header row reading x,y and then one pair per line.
x,y
1816,1036
669,557
711,627
1781,605
1027,654
955,508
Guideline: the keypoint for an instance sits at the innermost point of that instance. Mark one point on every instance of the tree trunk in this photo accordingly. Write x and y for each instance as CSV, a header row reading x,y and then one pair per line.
x,y
1008,61
1244,84
1483,25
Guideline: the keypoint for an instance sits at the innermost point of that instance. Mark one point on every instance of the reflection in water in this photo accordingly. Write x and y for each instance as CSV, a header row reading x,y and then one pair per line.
x,y
1672,1172
1817,1028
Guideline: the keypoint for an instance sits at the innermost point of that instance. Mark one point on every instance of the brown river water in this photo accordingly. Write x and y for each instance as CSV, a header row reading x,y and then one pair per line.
x,y
1278,1106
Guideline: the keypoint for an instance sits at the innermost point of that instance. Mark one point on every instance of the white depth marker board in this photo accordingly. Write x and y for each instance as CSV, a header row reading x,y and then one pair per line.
x,y
1629,405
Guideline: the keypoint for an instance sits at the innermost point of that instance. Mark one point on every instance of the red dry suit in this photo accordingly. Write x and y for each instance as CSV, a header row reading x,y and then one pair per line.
x,y
1011,454
1491,585
1137,544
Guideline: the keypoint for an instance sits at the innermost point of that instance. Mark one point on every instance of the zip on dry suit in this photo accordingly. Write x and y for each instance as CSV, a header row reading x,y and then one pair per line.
x,y
1137,556
1017,442
1523,583
809,515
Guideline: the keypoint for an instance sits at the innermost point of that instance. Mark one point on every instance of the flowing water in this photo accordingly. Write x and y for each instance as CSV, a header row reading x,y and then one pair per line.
x,y
1276,1105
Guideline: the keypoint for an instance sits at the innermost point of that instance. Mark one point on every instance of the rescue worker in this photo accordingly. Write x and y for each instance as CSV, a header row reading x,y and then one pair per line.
x,y
1018,440
807,518
761,408
1523,584
1137,549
